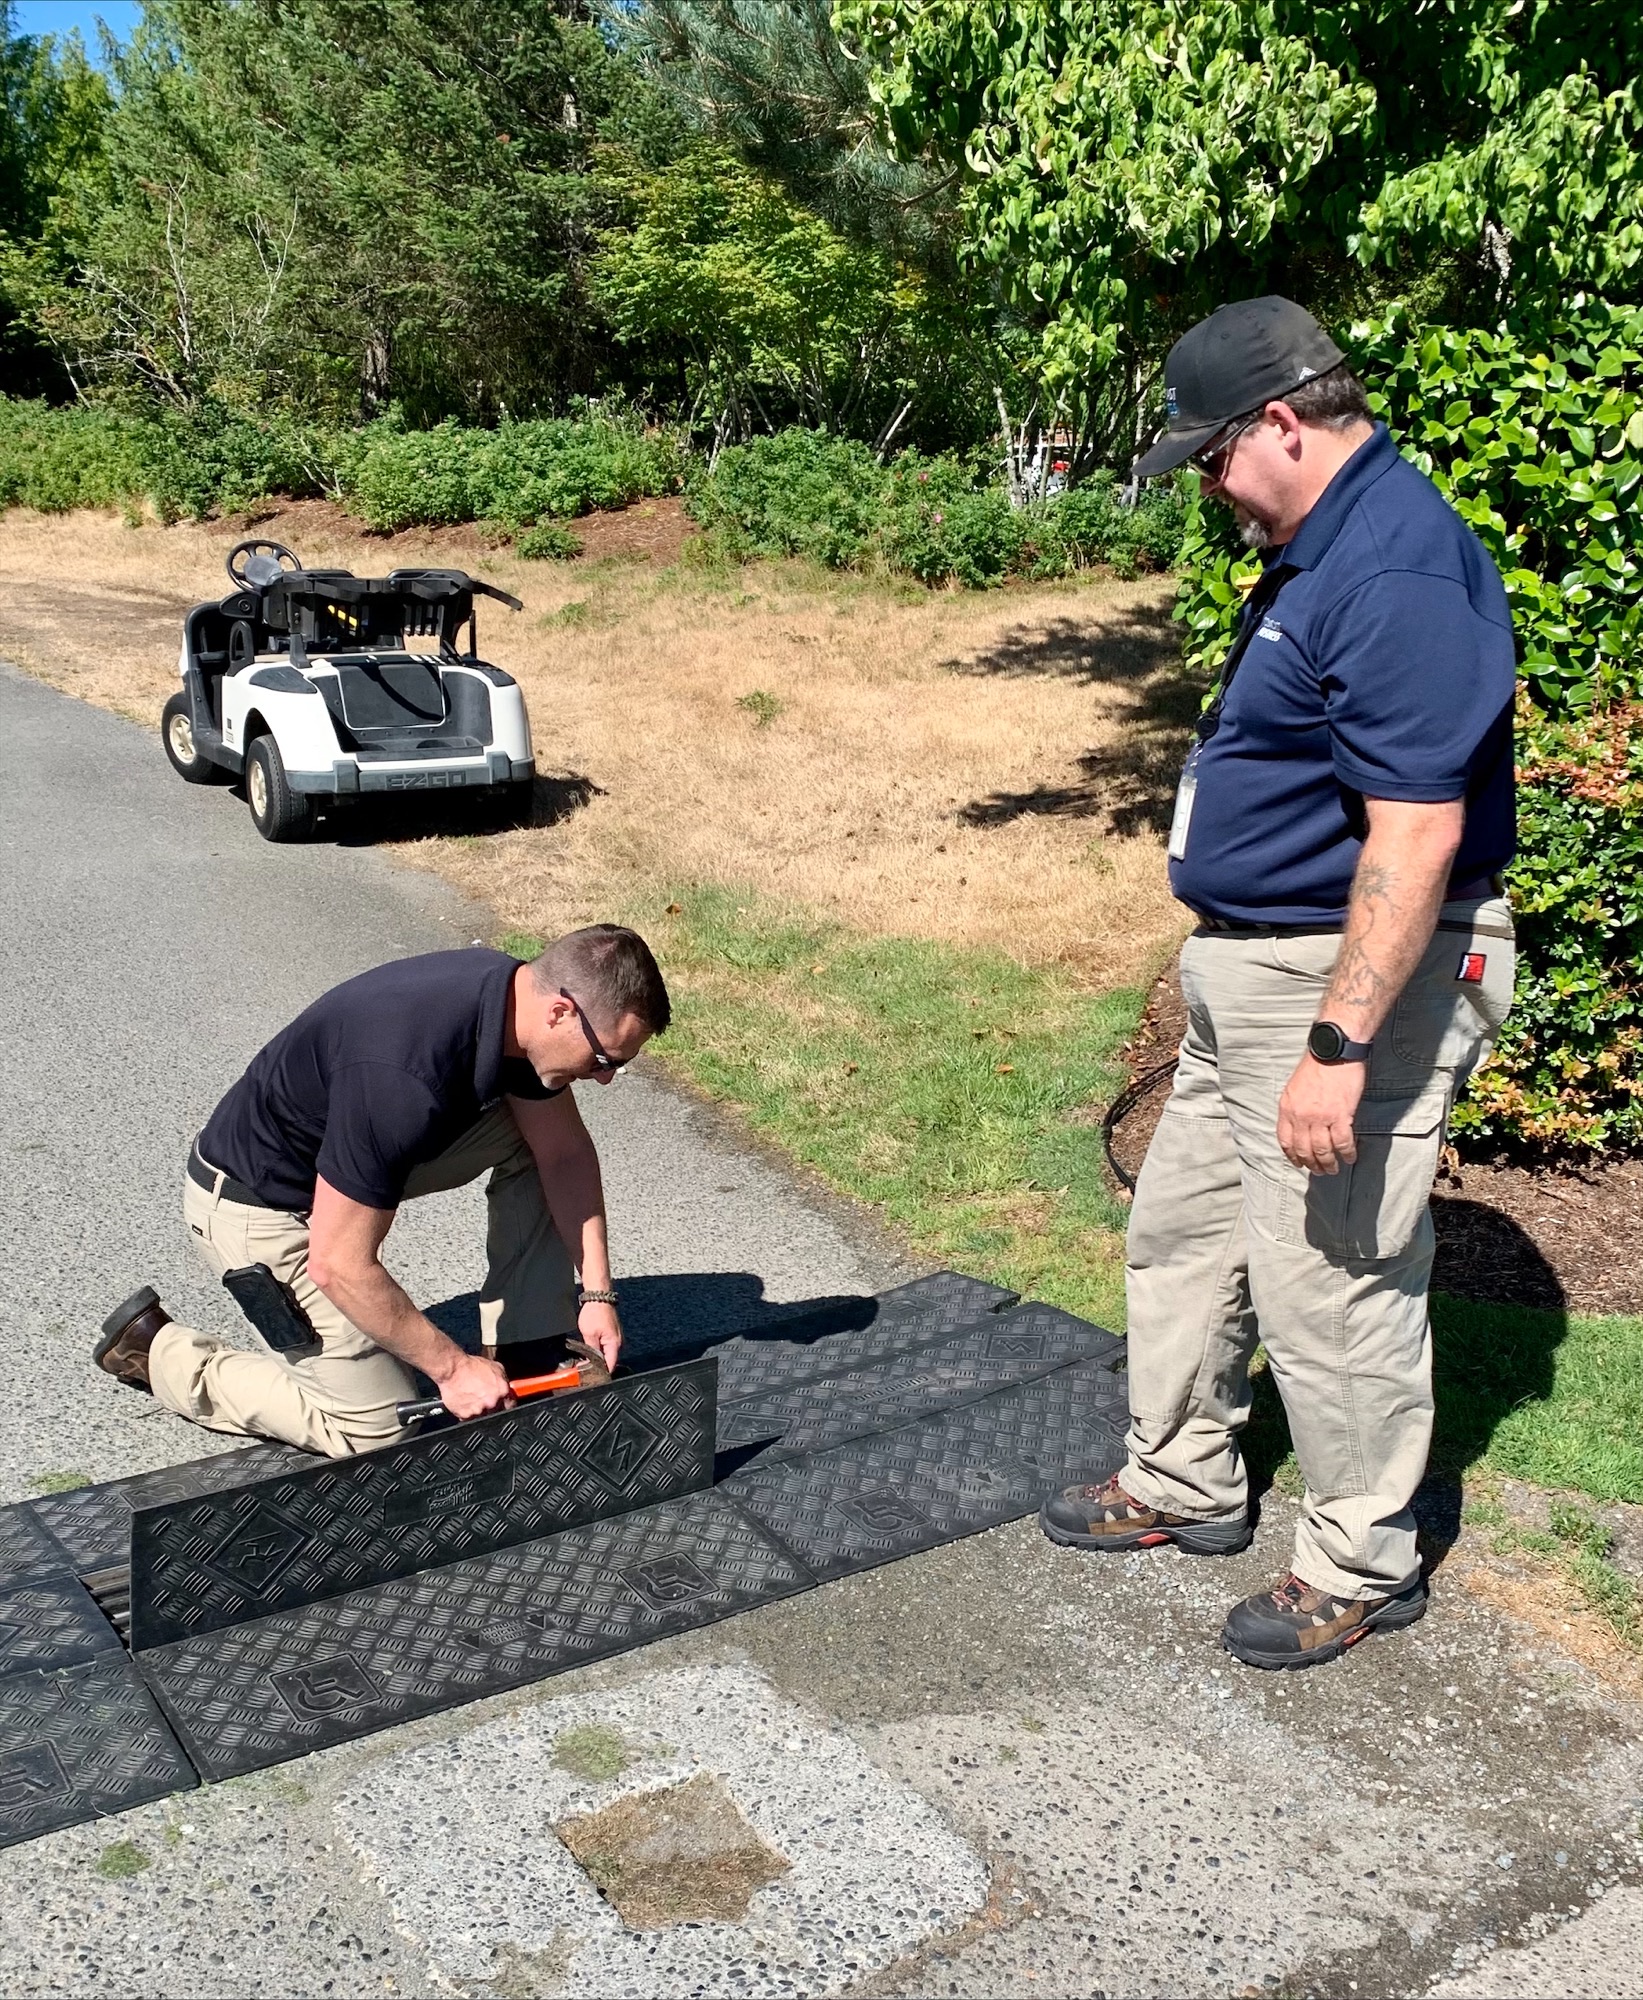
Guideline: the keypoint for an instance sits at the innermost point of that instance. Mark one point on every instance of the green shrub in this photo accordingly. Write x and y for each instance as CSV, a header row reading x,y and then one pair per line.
x,y
973,538
548,541
1568,1069
1536,436
806,494
207,461
56,459
548,469
796,493
216,461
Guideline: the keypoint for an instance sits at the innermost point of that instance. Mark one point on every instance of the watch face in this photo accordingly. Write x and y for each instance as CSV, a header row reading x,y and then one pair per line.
x,y
1326,1041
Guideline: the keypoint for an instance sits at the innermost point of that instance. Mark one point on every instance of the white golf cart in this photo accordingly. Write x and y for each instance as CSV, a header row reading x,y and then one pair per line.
x,y
302,683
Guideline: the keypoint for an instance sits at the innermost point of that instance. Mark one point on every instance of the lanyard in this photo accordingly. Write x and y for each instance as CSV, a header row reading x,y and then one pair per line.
x,y
1272,581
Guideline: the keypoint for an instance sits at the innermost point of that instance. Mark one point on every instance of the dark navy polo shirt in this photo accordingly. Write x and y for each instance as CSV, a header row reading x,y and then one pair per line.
x,y
1383,668
377,1077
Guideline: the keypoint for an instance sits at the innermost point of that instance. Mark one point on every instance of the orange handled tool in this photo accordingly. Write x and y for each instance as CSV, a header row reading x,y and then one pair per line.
x,y
568,1377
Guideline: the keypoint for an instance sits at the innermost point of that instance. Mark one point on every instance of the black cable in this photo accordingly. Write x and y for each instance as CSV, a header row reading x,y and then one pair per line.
x,y
1121,1107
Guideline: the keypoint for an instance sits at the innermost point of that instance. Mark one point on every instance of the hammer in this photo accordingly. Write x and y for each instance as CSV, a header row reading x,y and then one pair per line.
x,y
569,1377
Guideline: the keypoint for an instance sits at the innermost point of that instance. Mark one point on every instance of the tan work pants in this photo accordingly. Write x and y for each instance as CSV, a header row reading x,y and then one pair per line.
x,y
1229,1243
342,1399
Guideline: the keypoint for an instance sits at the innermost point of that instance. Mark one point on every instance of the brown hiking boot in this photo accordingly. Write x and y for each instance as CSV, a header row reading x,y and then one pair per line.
x,y
1297,1625
128,1334
1106,1518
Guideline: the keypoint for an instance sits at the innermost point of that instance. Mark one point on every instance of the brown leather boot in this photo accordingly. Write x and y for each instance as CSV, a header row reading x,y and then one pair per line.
x,y
128,1334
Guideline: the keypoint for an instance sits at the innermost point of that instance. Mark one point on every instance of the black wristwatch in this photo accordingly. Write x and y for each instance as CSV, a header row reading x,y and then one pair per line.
x,y
1327,1043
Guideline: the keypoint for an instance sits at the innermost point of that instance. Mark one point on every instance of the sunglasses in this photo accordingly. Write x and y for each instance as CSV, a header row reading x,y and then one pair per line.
x,y
602,1060
1212,460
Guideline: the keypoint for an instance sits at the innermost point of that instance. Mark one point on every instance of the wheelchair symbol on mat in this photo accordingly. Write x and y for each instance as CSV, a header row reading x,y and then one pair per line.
x,y
325,1688
668,1580
881,1513
27,1777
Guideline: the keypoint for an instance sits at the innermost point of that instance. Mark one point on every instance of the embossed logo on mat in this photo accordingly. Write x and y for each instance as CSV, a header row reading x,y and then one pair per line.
x,y
748,1426
620,1446
423,1489
30,1777
881,1513
313,1692
258,1549
1006,1345
668,1580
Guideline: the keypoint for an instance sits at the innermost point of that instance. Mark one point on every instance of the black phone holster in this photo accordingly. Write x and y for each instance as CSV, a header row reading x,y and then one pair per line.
x,y
274,1310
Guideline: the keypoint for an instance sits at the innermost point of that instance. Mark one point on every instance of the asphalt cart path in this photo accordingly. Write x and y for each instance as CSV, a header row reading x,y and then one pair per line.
x,y
994,1768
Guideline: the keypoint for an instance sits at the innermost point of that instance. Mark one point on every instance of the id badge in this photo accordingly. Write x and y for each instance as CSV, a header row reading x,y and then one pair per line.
x,y
1185,792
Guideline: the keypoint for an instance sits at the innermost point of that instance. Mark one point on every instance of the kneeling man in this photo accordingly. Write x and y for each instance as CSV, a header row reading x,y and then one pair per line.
x,y
412,1078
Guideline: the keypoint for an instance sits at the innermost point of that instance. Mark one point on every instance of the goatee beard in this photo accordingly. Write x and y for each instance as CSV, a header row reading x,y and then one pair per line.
x,y
1253,533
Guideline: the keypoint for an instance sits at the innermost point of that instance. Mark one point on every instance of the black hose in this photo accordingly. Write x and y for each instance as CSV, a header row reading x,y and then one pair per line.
x,y
1121,1107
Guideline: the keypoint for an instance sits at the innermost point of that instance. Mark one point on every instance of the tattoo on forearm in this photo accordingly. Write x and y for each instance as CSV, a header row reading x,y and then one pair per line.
x,y
1388,925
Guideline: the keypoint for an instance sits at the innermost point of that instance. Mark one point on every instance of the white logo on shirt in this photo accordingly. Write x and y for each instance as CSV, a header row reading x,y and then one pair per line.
x,y
1270,631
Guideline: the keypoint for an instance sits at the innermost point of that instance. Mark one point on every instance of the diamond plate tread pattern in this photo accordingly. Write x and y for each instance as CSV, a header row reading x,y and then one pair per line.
x,y
221,1558
51,1624
927,1310
938,1375
879,1498
197,1476
78,1745
93,1524
260,1693
1049,1424
28,1552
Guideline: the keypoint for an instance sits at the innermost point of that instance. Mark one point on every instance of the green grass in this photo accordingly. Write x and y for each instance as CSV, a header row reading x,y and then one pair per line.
x,y
592,1752
952,1090
121,1860
1554,1399
762,705
59,1482
1548,1397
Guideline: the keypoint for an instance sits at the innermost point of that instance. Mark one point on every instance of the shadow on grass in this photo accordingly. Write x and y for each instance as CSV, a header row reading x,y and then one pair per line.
x,y
1129,784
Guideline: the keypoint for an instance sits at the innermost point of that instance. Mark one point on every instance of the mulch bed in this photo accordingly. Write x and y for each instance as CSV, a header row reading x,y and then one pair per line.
x,y
1507,1234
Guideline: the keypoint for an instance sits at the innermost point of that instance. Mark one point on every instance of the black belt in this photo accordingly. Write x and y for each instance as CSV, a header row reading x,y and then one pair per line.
x,y
1477,890
215,1182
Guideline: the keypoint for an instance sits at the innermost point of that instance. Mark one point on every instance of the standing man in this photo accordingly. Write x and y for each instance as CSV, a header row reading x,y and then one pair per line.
x,y
1339,834
415,1077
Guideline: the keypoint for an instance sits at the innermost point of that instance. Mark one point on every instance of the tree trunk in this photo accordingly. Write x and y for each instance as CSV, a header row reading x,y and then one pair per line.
x,y
375,372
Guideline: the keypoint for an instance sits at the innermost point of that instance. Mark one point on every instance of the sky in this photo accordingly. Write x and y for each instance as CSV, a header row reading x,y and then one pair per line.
x,y
57,17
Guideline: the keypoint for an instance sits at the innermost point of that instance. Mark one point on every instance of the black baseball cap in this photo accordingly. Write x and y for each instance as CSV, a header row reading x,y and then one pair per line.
x,y
1227,366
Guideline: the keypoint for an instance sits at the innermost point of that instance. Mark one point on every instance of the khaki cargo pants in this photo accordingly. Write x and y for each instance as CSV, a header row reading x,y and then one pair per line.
x,y
1230,1244
342,1399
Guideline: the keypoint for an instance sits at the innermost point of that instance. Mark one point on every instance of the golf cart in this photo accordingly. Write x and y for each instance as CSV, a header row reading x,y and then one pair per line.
x,y
302,683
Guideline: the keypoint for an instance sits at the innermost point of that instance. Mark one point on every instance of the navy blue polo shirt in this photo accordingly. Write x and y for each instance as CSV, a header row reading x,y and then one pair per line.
x,y
1383,668
376,1078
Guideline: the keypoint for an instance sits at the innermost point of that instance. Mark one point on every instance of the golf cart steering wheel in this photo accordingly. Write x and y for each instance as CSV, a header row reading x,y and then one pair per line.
x,y
272,559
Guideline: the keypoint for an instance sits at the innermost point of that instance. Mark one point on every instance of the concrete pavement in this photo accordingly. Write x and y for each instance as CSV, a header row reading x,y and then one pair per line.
x,y
1068,1788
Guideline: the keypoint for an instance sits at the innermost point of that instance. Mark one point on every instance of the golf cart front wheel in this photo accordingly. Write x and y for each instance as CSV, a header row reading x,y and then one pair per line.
x,y
177,733
277,812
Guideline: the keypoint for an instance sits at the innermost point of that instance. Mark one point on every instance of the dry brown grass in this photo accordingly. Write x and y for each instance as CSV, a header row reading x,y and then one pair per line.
x,y
985,769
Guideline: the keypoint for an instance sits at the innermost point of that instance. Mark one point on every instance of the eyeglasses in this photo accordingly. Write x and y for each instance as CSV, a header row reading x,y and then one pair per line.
x,y
1212,460
601,1060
